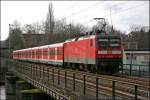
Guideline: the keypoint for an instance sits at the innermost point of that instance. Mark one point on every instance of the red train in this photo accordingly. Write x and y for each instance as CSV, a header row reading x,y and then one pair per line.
x,y
101,53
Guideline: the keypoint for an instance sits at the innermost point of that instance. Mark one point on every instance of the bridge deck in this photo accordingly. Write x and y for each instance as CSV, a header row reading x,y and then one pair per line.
x,y
71,85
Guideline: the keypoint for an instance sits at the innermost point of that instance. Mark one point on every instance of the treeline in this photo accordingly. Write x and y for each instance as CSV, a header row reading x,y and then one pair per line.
x,y
140,36
43,32
54,31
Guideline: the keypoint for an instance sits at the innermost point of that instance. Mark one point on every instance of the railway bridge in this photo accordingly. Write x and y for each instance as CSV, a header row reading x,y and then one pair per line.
x,y
67,84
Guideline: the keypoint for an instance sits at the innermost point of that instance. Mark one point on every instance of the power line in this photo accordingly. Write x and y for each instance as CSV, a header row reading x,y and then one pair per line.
x,y
84,9
118,12
126,9
88,15
68,8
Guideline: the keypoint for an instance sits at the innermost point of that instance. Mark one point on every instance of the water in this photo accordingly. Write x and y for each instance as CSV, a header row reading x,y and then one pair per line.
x,y
2,93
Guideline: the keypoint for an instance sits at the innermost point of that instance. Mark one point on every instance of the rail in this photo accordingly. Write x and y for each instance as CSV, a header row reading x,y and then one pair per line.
x,y
75,85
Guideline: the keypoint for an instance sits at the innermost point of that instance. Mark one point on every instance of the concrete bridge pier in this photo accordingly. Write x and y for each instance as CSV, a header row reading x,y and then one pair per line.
x,y
10,86
18,89
26,91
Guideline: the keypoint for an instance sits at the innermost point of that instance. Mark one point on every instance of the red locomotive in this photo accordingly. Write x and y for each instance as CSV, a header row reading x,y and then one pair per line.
x,y
94,53
97,53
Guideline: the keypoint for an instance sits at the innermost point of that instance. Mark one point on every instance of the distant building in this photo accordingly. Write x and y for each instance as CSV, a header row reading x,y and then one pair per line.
x,y
131,45
32,40
137,56
146,28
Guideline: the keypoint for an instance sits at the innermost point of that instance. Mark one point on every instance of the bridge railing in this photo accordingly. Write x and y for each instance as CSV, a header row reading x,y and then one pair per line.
x,y
71,85
135,70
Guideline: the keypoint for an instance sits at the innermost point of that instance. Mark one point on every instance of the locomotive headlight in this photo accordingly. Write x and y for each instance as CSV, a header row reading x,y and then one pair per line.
x,y
116,52
102,52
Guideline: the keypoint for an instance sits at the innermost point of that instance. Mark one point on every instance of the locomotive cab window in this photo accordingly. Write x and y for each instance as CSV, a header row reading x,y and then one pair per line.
x,y
114,42
109,41
103,42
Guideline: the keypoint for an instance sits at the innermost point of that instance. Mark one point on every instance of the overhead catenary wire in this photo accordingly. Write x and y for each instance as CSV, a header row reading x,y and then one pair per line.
x,y
84,9
126,9
68,8
117,12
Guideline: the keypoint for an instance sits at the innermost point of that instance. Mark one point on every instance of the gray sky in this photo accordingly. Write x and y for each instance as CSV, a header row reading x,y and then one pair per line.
x,y
124,13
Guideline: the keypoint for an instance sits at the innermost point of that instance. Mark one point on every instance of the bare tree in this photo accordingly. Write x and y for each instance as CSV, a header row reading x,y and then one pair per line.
x,y
16,24
136,28
16,38
49,25
139,35
34,28
29,29
39,27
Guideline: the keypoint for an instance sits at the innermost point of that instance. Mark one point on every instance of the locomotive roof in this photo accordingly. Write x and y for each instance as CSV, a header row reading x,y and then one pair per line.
x,y
81,38
91,37
109,35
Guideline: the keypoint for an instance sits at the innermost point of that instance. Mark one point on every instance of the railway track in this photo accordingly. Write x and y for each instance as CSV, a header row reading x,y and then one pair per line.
x,y
124,85
124,88
122,78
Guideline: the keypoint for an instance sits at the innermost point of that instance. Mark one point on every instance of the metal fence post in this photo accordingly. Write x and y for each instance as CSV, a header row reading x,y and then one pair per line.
x,y
37,71
49,75
139,70
65,79
113,89
53,74
58,76
130,69
36,74
21,68
40,71
84,85
32,71
30,66
135,87
96,88
43,76
122,69
73,81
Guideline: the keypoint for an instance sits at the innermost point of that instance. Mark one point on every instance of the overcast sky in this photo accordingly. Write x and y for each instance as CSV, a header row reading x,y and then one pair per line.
x,y
124,13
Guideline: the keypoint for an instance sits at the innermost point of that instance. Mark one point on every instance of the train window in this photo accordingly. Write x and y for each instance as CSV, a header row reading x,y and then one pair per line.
x,y
45,52
32,53
28,54
114,42
103,42
40,52
59,52
52,52
109,41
